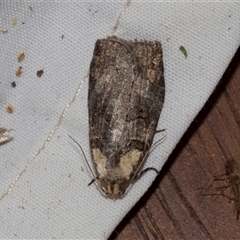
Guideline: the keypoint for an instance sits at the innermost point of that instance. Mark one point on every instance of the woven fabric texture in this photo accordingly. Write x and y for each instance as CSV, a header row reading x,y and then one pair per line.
x,y
50,198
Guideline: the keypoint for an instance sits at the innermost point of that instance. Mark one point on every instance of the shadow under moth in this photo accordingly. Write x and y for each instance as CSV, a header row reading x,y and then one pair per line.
x,y
125,99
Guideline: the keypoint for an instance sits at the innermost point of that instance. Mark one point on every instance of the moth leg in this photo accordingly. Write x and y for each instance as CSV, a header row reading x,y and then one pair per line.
x,y
160,130
219,177
222,188
219,194
93,180
217,189
226,196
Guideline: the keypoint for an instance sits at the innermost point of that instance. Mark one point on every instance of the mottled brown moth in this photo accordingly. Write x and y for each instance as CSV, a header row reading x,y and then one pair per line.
x,y
125,99
4,136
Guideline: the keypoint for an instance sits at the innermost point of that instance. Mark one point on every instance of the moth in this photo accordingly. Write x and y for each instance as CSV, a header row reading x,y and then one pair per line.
x,y
4,136
125,99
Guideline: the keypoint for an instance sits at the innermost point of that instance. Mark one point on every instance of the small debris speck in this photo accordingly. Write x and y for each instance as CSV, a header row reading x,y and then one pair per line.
x,y
13,84
39,73
14,21
30,8
9,109
4,136
20,57
183,50
18,72
4,30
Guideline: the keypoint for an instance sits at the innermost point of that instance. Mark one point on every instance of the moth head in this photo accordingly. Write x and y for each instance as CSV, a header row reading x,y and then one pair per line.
x,y
115,175
114,181
114,190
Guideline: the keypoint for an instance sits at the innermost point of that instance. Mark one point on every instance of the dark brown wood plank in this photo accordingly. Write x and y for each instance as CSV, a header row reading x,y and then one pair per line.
x,y
174,207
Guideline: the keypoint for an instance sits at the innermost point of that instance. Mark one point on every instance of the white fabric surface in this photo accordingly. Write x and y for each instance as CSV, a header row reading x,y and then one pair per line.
x,y
51,199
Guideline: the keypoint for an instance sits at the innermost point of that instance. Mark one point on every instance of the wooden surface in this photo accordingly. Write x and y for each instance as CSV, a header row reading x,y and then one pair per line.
x,y
174,207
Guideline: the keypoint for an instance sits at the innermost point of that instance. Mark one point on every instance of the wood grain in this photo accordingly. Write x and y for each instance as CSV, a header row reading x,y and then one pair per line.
x,y
174,207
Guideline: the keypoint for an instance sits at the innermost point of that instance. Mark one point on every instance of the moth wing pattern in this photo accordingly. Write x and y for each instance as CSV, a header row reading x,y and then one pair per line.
x,y
125,99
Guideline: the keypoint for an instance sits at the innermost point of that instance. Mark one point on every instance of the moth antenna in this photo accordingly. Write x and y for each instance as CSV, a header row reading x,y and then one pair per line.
x,y
95,178
84,157
154,145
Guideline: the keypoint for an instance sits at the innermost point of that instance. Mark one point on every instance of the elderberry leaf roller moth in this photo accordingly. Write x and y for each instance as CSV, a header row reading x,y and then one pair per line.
x,y
125,99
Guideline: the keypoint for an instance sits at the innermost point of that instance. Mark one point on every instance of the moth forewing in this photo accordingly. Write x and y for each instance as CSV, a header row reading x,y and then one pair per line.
x,y
125,98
